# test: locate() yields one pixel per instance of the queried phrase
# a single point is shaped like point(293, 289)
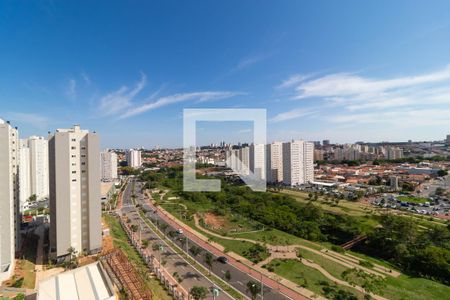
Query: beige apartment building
point(257, 161)
point(275, 162)
point(298, 163)
point(9, 198)
point(75, 201)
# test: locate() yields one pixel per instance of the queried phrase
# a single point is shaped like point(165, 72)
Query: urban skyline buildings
point(9, 197)
point(75, 208)
point(290, 163)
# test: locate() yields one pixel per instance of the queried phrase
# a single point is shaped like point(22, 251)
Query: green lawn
point(412, 199)
point(330, 266)
point(307, 277)
point(121, 242)
point(344, 206)
point(407, 288)
point(276, 237)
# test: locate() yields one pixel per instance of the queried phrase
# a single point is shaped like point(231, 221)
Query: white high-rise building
point(298, 162)
point(24, 174)
point(133, 157)
point(39, 166)
point(9, 198)
point(108, 162)
point(244, 157)
point(75, 201)
point(258, 160)
point(275, 162)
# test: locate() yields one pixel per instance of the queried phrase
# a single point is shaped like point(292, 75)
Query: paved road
point(240, 274)
point(174, 262)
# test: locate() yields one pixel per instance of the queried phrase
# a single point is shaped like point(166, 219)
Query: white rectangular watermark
point(252, 172)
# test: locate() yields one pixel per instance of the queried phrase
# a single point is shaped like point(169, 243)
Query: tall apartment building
point(9, 198)
point(257, 162)
point(24, 174)
point(319, 154)
point(394, 153)
point(274, 168)
point(133, 158)
point(108, 162)
point(448, 139)
point(33, 175)
point(39, 166)
point(244, 157)
point(75, 201)
point(298, 162)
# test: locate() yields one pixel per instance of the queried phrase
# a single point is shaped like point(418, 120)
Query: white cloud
point(345, 84)
point(402, 118)
point(292, 114)
point(293, 80)
point(349, 99)
point(86, 78)
point(71, 90)
point(121, 99)
point(182, 97)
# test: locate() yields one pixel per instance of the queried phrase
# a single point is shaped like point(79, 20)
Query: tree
point(227, 275)
point(72, 254)
point(209, 260)
point(195, 250)
point(144, 244)
point(20, 296)
point(442, 173)
point(371, 283)
point(254, 288)
point(439, 191)
point(164, 227)
point(32, 198)
point(198, 292)
point(156, 247)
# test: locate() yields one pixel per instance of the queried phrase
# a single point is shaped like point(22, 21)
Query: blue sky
point(340, 70)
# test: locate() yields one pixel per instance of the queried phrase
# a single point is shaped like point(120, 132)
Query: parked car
point(222, 259)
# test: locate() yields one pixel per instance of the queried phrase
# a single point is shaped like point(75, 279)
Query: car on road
point(222, 259)
point(180, 231)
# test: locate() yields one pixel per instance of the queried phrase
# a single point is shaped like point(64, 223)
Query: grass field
point(120, 241)
point(330, 266)
point(344, 206)
point(305, 276)
point(411, 199)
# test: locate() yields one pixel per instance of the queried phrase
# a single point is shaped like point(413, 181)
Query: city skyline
point(318, 75)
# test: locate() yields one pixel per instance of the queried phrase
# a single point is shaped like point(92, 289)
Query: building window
point(73, 147)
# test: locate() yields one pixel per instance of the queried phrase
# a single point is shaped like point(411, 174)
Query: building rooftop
point(87, 282)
